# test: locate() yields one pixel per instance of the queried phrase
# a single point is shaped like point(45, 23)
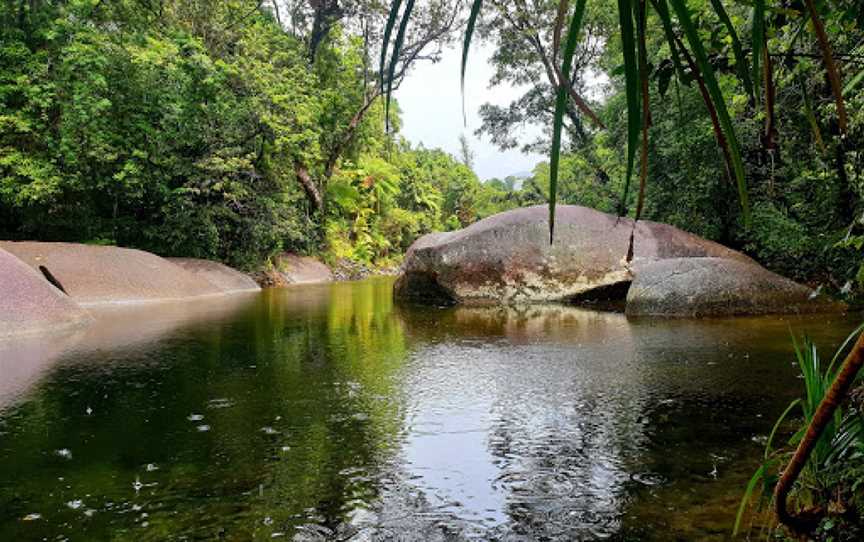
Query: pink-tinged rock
point(507, 257)
point(97, 275)
point(302, 269)
point(227, 279)
point(718, 287)
point(30, 304)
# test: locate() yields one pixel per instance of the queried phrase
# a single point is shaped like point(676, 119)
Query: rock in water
point(507, 258)
point(30, 304)
point(717, 287)
point(297, 269)
point(227, 279)
point(98, 275)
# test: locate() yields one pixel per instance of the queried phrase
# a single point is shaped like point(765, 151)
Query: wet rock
point(226, 279)
point(297, 269)
point(30, 304)
point(99, 275)
point(507, 258)
point(717, 287)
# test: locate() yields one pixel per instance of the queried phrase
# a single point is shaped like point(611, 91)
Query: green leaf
point(663, 12)
point(397, 48)
point(466, 44)
point(751, 485)
point(561, 107)
point(740, 59)
point(757, 34)
point(631, 80)
point(692, 34)
point(388, 29)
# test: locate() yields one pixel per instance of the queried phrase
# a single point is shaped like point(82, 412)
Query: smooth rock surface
point(297, 269)
point(717, 287)
point(227, 279)
point(30, 304)
point(508, 258)
point(98, 275)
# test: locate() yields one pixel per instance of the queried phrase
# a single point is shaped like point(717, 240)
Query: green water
point(328, 413)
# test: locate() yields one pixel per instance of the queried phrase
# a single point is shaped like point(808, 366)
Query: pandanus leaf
point(466, 45)
point(562, 92)
point(662, 10)
point(631, 85)
point(741, 64)
point(757, 36)
point(394, 60)
point(388, 30)
point(707, 73)
point(640, 13)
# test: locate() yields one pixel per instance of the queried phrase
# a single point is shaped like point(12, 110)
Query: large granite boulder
point(97, 275)
point(508, 258)
point(30, 304)
point(297, 269)
point(227, 279)
point(717, 287)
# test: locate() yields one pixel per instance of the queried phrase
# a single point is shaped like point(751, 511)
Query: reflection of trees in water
point(296, 388)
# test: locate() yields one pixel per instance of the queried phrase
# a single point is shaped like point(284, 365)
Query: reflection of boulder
point(25, 361)
point(717, 287)
point(225, 278)
point(30, 304)
point(508, 257)
point(94, 275)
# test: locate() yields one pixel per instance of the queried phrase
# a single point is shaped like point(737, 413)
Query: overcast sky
point(431, 104)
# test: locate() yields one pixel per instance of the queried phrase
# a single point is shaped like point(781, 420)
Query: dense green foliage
point(219, 130)
point(804, 177)
point(181, 132)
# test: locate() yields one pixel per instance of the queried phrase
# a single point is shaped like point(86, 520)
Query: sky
point(431, 104)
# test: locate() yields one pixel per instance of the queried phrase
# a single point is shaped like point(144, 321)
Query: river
point(328, 413)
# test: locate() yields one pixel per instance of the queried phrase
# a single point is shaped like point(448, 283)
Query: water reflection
point(324, 412)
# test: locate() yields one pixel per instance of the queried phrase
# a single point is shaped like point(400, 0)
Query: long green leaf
point(663, 11)
point(640, 14)
point(741, 64)
point(466, 45)
point(777, 424)
point(631, 82)
point(757, 35)
point(850, 86)
point(385, 45)
point(748, 493)
point(692, 34)
point(811, 115)
point(397, 49)
point(560, 108)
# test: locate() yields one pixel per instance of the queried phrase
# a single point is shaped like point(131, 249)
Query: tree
point(329, 25)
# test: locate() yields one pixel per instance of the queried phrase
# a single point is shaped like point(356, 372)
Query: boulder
point(717, 287)
point(96, 275)
point(508, 258)
point(297, 269)
point(227, 279)
point(30, 304)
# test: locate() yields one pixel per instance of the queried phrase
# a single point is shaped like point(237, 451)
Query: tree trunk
point(313, 193)
point(835, 395)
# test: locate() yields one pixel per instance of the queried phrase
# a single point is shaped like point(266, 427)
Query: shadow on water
point(324, 412)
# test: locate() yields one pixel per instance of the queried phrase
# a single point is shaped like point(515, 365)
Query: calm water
point(328, 413)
